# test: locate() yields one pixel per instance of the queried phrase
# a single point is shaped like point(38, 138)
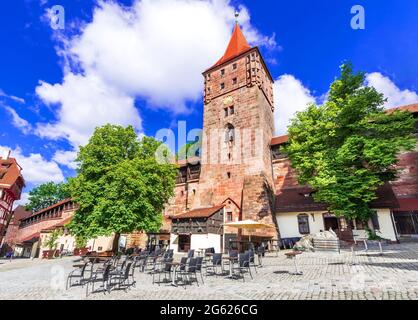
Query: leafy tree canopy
point(46, 195)
point(190, 149)
point(347, 147)
point(121, 186)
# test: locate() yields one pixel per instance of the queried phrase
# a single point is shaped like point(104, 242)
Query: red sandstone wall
point(37, 227)
point(406, 186)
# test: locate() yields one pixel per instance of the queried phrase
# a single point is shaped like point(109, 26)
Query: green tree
point(51, 241)
point(346, 148)
point(46, 195)
point(120, 185)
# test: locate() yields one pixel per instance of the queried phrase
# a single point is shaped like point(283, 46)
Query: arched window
point(303, 223)
point(229, 133)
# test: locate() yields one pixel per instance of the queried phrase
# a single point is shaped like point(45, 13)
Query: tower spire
point(237, 44)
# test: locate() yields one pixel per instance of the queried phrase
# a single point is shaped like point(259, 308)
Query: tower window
point(222, 72)
point(303, 223)
point(229, 175)
point(234, 66)
point(229, 133)
point(222, 86)
point(234, 81)
point(231, 110)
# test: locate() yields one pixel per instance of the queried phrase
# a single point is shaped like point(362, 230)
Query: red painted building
point(11, 185)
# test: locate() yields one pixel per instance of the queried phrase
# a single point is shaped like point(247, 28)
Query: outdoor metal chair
point(261, 251)
point(78, 273)
point(190, 254)
point(121, 279)
point(243, 265)
point(188, 273)
point(164, 269)
point(102, 277)
point(252, 259)
point(199, 265)
point(142, 260)
point(216, 263)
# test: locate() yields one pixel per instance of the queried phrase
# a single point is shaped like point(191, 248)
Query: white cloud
point(24, 199)
point(290, 96)
point(396, 97)
point(36, 169)
point(85, 103)
point(19, 122)
point(14, 98)
point(158, 49)
point(66, 158)
point(153, 49)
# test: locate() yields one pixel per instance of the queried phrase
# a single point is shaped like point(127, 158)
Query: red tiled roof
point(191, 160)
point(199, 213)
point(19, 213)
point(32, 238)
point(52, 206)
point(279, 140)
point(294, 200)
point(410, 107)
point(237, 45)
point(9, 172)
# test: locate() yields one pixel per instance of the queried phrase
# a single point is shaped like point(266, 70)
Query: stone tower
point(238, 126)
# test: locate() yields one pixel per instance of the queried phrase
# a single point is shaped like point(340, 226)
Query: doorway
point(406, 222)
point(184, 242)
point(339, 225)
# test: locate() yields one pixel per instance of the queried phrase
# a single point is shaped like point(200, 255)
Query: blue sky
point(140, 63)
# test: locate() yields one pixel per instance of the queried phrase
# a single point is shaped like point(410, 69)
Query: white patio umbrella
point(248, 225)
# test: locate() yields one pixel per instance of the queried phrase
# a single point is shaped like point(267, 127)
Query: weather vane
point(236, 16)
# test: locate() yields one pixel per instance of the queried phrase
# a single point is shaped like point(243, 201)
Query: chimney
point(6, 154)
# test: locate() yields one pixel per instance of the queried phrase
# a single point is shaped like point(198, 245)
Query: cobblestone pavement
point(393, 275)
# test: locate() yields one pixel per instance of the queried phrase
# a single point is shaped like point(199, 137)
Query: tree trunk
point(115, 245)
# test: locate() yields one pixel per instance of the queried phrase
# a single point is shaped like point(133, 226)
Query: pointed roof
point(237, 45)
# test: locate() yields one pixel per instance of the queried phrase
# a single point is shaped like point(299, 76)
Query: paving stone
point(390, 276)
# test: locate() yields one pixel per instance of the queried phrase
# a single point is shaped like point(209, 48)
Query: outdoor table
point(231, 262)
point(292, 255)
point(175, 265)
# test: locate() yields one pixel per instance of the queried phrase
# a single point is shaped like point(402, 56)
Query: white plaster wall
point(174, 242)
point(208, 240)
point(288, 223)
point(105, 242)
point(385, 224)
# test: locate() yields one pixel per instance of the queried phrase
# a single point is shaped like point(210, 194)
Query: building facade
point(11, 186)
point(243, 169)
point(234, 169)
point(28, 232)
